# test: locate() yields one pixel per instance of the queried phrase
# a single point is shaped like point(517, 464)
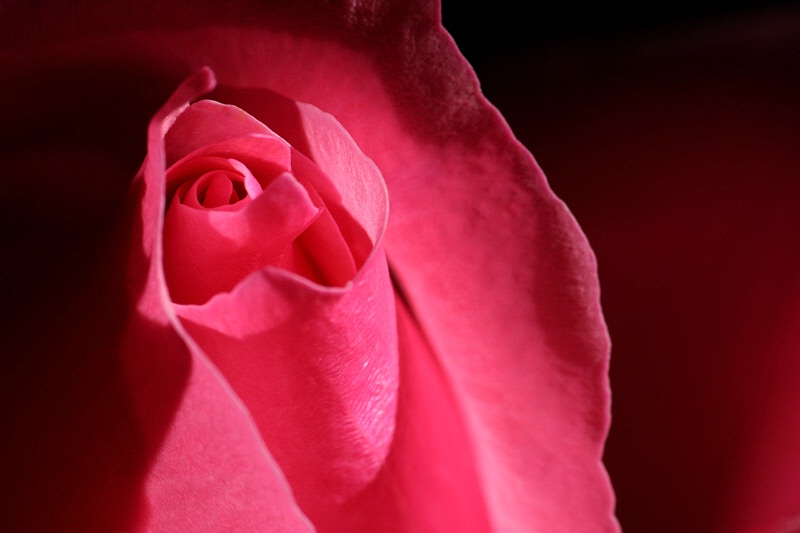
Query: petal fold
point(317, 370)
point(207, 251)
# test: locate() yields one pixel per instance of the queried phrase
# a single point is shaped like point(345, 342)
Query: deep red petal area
point(75, 453)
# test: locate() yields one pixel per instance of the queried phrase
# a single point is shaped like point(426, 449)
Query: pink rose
point(209, 323)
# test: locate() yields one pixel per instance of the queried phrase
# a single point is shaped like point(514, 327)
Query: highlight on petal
point(428, 482)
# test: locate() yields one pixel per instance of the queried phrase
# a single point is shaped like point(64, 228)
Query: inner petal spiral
point(241, 199)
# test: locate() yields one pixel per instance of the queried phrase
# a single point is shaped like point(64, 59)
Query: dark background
point(486, 33)
point(672, 133)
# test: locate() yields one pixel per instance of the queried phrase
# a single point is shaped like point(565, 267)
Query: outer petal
point(495, 269)
point(687, 182)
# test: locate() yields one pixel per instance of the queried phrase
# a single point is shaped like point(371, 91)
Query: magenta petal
point(529, 373)
point(317, 370)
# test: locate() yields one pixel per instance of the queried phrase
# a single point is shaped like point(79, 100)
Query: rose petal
point(317, 369)
point(322, 253)
point(184, 180)
point(198, 132)
point(208, 252)
point(427, 483)
point(208, 123)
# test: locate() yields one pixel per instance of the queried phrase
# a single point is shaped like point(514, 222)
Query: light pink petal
point(350, 187)
point(353, 181)
point(322, 253)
